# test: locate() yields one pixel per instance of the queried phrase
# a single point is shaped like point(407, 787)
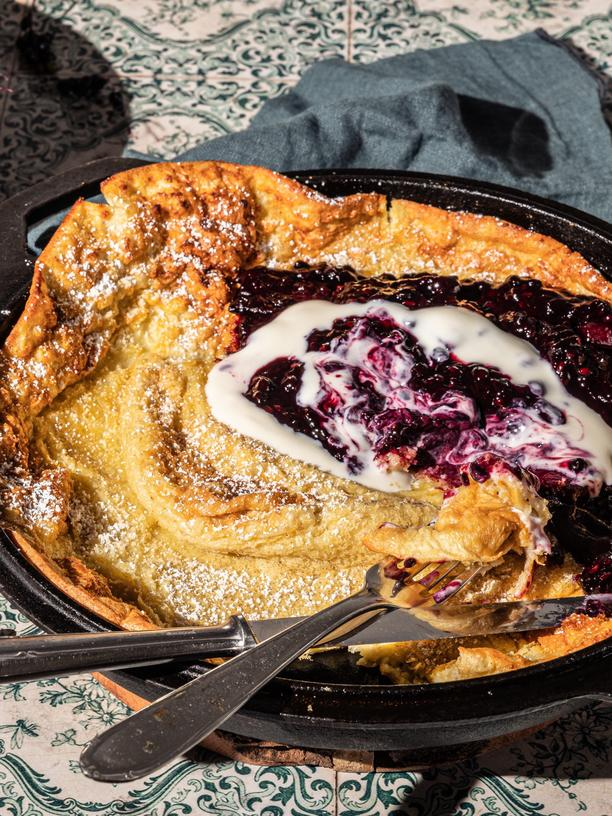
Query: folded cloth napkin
point(523, 112)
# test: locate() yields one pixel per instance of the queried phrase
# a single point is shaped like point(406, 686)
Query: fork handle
point(170, 726)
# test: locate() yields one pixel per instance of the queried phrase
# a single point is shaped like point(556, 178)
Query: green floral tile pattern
point(560, 770)
point(386, 29)
point(161, 76)
point(228, 38)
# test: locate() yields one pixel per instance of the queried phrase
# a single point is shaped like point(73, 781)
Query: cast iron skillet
point(308, 707)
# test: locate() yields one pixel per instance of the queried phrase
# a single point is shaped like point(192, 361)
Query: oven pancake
point(115, 476)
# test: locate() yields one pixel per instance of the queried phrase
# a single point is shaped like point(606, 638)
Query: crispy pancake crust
point(442, 661)
point(128, 310)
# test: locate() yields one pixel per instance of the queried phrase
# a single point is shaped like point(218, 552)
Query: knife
point(42, 656)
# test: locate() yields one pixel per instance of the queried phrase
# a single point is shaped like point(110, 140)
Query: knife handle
point(42, 656)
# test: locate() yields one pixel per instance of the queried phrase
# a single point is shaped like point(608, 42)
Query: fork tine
point(438, 574)
point(439, 581)
point(456, 583)
point(442, 582)
point(430, 571)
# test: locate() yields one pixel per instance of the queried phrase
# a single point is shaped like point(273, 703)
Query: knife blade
point(460, 620)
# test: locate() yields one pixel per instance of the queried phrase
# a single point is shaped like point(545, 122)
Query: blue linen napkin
point(523, 112)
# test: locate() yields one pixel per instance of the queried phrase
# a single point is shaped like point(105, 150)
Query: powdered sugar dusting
point(256, 592)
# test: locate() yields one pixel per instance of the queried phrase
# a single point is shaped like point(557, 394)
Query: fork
point(176, 722)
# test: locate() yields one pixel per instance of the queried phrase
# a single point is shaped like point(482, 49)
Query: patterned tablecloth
point(89, 78)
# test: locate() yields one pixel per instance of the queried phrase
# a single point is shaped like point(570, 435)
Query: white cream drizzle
point(470, 336)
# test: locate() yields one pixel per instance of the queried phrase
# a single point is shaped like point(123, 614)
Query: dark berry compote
point(462, 419)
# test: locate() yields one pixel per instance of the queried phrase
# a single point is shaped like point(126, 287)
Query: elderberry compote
point(445, 417)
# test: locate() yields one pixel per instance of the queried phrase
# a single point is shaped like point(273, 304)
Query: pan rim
point(538, 209)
